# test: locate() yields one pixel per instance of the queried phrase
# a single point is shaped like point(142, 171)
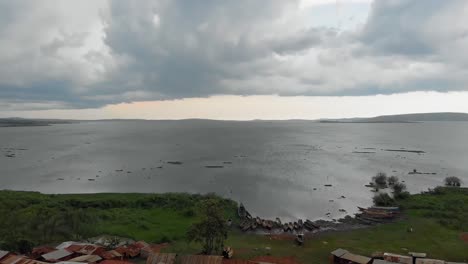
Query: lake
point(276, 168)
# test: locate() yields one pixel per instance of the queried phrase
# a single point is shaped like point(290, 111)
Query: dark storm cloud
point(97, 53)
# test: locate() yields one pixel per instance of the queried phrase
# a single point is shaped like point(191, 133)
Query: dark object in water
point(59, 179)
point(364, 152)
point(417, 172)
point(174, 162)
point(328, 185)
point(90, 179)
point(160, 167)
point(214, 166)
point(406, 150)
point(227, 162)
point(118, 170)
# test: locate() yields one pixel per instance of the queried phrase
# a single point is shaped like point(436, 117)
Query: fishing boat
point(278, 221)
point(291, 226)
point(285, 227)
point(241, 211)
point(300, 223)
point(253, 225)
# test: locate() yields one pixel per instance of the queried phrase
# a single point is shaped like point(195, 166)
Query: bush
point(380, 179)
point(398, 188)
point(452, 181)
point(392, 180)
point(401, 195)
point(383, 199)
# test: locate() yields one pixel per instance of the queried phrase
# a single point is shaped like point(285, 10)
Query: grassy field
point(437, 219)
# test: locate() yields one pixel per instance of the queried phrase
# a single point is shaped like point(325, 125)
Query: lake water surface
point(277, 169)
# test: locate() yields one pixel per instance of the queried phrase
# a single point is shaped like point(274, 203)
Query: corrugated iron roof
point(115, 262)
point(66, 244)
point(339, 252)
point(111, 254)
point(74, 247)
point(130, 251)
point(200, 259)
point(356, 258)
point(141, 244)
point(90, 249)
point(276, 260)
point(13, 259)
point(3, 254)
point(164, 258)
point(429, 261)
point(57, 254)
point(86, 258)
point(398, 258)
point(381, 261)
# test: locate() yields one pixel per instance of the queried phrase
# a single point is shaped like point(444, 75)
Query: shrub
point(401, 195)
point(398, 187)
point(452, 181)
point(380, 179)
point(392, 180)
point(383, 199)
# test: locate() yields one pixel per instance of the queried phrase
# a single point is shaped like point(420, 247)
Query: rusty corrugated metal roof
point(13, 259)
point(129, 251)
point(164, 258)
point(75, 247)
point(111, 254)
point(86, 258)
point(200, 259)
point(115, 262)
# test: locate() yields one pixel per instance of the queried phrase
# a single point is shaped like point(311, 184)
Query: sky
point(239, 60)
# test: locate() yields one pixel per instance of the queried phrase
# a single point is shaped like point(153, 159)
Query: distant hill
point(405, 118)
point(21, 122)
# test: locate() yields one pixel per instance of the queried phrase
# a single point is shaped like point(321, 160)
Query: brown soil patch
point(464, 237)
point(277, 260)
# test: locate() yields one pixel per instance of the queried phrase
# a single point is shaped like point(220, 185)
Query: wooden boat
point(285, 227)
point(253, 225)
point(241, 211)
point(269, 224)
point(310, 223)
point(291, 226)
point(258, 221)
point(300, 223)
point(246, 226)
point(278, 221)
point(300, 239)
point(296, 226)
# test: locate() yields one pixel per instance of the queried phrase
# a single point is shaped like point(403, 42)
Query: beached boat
point(300, 223)
point(241, 211)
point(285, 227)
point(291, 226)
point(278, 221)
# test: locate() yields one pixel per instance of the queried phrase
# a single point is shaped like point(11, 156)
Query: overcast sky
point(243, 59)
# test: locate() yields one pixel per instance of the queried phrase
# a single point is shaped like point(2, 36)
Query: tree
point(398, 188)
point(380, 179)
point(211, 231)
point(453, 181)
point(392, 180)
point(383, 199)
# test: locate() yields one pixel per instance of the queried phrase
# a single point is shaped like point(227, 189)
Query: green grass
point(437, 220)
point(427, 214)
